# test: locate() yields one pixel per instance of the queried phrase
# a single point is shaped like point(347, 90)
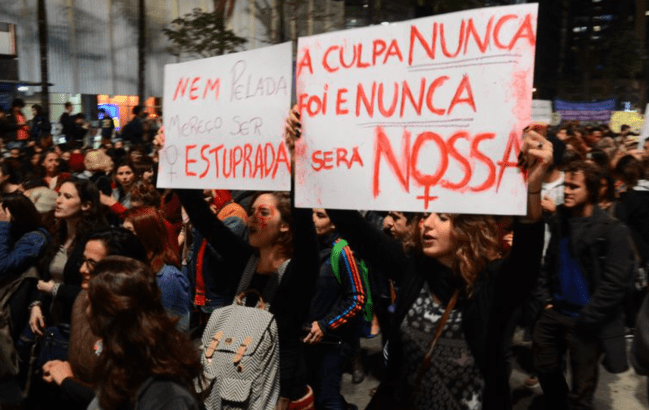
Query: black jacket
point(338, 305)
point(601, 243)
point(67, 122)
point(40, 127)
point(291, 303)
point(501, 287)
point(71, 286)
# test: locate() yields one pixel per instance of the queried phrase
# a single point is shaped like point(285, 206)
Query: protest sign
point(224, 120)
point(645, 127)
point(631, 118)
point(423, 115)
point(542, 111)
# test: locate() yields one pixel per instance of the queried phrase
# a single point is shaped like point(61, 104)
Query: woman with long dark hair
point(455, 296)
point(280, 237)
point(147, 224)
point(144, 363)
point(78, 214)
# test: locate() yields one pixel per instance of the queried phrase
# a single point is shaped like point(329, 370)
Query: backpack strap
point(271, 286)
point(369, 304)
point(273, 283)
point(248, 273)
point(335, 257)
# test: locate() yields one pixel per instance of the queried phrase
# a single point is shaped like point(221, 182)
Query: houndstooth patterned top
point(453, 381)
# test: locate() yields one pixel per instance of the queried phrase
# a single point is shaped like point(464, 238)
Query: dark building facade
point(587, 50)
point(596, 48)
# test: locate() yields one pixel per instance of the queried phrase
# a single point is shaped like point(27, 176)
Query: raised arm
point(520, 271)
point(232, 248)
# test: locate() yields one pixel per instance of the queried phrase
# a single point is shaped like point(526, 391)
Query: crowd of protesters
point(108, 282)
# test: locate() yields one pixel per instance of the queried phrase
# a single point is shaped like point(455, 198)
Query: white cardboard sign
point(542, 111)
point(423, 115)
point(645, 128)
point(224, 121)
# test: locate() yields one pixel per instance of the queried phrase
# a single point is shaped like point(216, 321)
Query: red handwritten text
point(468, 34)
point(470, 40)
point(407, 166)
point(241, 161)
point(209, 87)
point(386, 97)
point(333, 159)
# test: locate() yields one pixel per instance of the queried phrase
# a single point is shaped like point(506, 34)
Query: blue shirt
point(15, 258)
point(176, 294)
point(574, 294)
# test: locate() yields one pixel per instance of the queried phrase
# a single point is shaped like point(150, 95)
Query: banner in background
point(599, 111)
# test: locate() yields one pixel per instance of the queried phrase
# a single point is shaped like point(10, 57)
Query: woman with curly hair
point(454, 277)
point(144, 362)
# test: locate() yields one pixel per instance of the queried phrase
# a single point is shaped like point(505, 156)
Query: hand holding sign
point(292, 131)
point(536, 152)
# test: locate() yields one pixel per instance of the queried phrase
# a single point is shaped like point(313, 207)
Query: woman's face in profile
point(436, 237)
point(323, 224)
point(265, 222)
point(94, 252)
point(68, 203)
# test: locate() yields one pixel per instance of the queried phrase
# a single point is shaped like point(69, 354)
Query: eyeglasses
point(91, 263)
